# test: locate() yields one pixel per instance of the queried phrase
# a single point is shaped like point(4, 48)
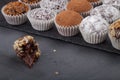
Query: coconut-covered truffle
point(55, 5)
point(108, 12)
point(94, 25)
point(27, 49)
point(115, 3)
point(42, 14)
point(94, 29)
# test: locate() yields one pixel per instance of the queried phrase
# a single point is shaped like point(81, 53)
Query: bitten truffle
point(27, 49)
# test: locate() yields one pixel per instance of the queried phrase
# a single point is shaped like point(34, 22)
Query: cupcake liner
point(32, 6)
point(85, 14)
point(67, 31)
point(94, 38)
point(115, 42)
point(96, 3)
point(41, 25)
point(15, 20)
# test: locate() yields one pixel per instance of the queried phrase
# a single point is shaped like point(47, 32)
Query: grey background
point(73, 62)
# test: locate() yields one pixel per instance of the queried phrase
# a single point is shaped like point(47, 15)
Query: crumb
point(54, 50)
point(56, 73)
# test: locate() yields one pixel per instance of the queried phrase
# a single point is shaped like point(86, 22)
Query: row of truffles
point(15, 12)
point(27, 50)
point(70, 17)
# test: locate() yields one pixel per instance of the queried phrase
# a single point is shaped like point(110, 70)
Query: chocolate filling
point(28, 53)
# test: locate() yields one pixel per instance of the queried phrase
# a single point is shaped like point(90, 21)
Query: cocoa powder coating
point(68, 18)
point(79, 6)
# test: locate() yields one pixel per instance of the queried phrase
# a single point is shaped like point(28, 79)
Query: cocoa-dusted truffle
point(15, 8)
point(68, 18)
point(79, 6)
point(27, 49)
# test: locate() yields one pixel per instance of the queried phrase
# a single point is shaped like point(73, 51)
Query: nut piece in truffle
point(27, 49)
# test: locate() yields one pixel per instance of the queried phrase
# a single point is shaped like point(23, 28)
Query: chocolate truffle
point(15, 8)
point(42, 14)
point(55, 5)
point(68, 18)
point(108, 12)
point(67, 23)
point(81, 6)
point(15, 12)
point(114, 34)
point(41, 19)
point(115, 3)
point(94, 29)
point(27, 49)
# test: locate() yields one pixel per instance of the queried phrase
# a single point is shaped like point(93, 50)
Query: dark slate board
point(105, 46)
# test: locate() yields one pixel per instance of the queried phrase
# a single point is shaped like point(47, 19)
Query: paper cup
point(67, 30)
point(32, 6)
point(40, 25)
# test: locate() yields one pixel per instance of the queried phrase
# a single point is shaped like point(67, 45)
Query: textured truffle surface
point(42, 14)
point(55, 5)
point(107, 12)
point(68, 18)
point(94, 25)
point(15, 8)
point(112, 2)
point(79, 6)
point(114, 29)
